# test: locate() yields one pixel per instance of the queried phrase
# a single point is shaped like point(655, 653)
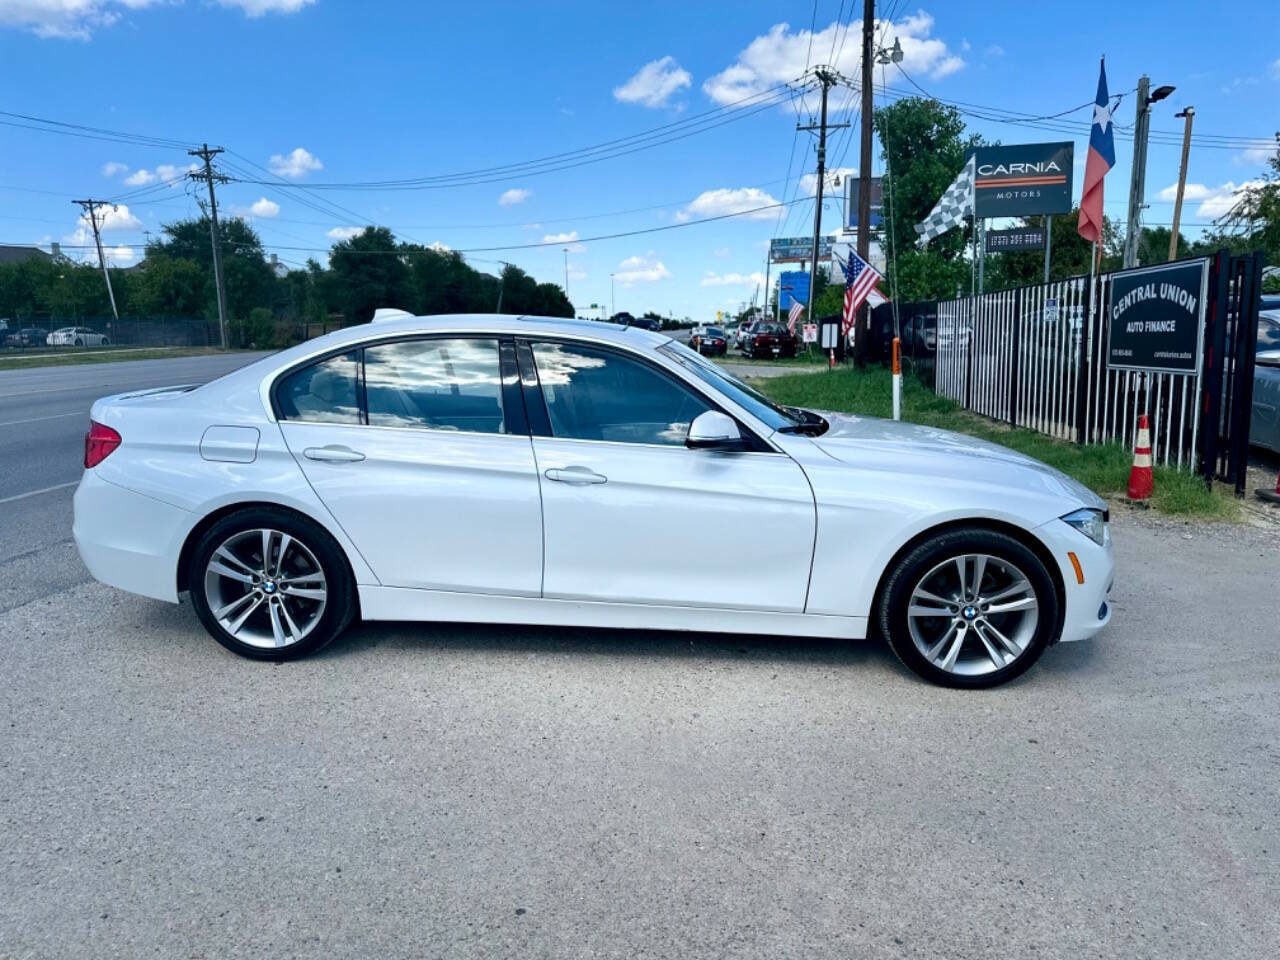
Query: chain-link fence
point(90, 333)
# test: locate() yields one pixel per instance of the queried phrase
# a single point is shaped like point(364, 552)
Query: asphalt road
point(464, 791)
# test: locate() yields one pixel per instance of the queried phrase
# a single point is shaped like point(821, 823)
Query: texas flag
point(1102, 157)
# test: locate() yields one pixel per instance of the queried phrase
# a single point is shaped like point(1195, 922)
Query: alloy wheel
point(265, 588)
point(973, 614)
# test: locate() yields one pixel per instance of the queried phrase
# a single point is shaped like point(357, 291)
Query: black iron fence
point(35, 335)
point(1035, 357)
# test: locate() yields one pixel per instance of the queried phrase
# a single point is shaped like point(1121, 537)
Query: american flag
point(860, 278)
point(794, 315)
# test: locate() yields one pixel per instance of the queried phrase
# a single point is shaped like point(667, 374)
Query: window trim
point(517, 424)
point(540, 419)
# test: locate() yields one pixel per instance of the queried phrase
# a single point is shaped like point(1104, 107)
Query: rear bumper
point(1088, 604)
point(128, 540)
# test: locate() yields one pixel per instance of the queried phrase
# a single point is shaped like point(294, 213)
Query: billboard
point(793, 285)
point(1156, 316)
point(852, 190)
point(798, 249)
point(1015, 239)
point(1024, 179)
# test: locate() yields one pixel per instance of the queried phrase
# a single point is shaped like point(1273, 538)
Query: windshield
point(748, 398)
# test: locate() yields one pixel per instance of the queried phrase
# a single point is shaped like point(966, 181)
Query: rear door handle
point(575, 475)
point(333, 453)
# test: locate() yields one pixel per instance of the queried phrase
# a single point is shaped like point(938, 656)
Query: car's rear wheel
point(969, 608)
point(270, 584)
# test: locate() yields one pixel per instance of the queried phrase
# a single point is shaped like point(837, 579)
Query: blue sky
point(333, 91)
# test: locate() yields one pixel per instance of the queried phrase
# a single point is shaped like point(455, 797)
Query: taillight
point(99, 443)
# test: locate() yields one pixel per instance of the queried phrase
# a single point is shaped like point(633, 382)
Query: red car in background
point(769, 340)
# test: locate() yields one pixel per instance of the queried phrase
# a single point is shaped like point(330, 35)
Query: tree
point(371, 273)
point(1069, 253)
point(924, 146)
point(250, 280)
point(1255, 217)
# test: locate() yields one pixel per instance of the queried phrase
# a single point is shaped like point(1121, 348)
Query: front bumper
point(1088, 604)
point(128, 540)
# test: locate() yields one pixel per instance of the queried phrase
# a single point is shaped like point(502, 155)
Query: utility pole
point(1138, 178)
point(91, 208)
point(1188, 114)
point(207, 154)
point(827, 77)
point(864, 172)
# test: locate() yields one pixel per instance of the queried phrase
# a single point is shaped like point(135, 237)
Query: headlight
point(1092, 523)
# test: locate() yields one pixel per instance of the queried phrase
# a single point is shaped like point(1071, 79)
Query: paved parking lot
point(429, 790)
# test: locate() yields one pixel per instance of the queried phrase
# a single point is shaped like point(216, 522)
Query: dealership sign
point(793, 286)
point(852, 191)
point(798, 249)
point(1023, 180)
point(1018, 238)
point(1156, 316)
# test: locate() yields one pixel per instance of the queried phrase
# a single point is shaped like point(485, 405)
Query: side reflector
point(99, 443)
point(1075, 562)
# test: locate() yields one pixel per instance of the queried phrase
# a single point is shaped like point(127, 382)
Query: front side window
point(599, 395)
point(325, 392)
point(436, 384)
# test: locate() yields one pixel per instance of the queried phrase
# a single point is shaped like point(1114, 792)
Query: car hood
point(893, 446)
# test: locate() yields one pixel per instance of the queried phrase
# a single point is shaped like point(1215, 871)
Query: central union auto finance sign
point(1023, 180)
point(1156, 315)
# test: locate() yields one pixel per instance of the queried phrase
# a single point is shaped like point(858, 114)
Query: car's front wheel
point(969, 608)
point(271, 585)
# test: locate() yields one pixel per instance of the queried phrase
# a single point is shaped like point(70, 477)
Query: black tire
point(105, 342)
point(79, 342)
point(340, 606)
point(907, 573)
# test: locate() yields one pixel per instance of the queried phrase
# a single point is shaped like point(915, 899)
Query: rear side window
point(437, 384)
point(325, 392)
point(1268, 335)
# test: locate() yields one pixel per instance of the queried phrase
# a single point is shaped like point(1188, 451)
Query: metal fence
point(43, 335)
point(1035, 357)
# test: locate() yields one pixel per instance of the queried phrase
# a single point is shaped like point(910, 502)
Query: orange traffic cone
point(1141, 483)
point(1267, 495)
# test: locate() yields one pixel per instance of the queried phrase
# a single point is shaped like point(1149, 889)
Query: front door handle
point(575, 475)
point(333, 453)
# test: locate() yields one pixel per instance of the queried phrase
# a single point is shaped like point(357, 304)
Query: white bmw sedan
point(524, 470)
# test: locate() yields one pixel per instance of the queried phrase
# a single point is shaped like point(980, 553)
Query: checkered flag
point(951, 209)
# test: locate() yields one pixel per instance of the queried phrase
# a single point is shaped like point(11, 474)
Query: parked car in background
point(744, 330)
point(710, 341)
point(76, 337)
point(1264, 423)
point(531, 470)
point(769, 340)
point(645, 323)
point(26, 337)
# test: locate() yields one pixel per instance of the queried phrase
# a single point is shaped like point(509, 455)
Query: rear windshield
point(774, 328)
point(714, 332)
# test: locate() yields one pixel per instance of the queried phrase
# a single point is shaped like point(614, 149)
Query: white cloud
point(831, 181)
point(115, 218)
point(641, 269)
point(297, 163)
point(140, 178)
point(344, 233)
point(1214, 201)
point(262, 207)
point(164, 173)
point(721, 252)
point(781, 55)
point(120, 256)
point(732, 279)
point(1256, 156)
point(995, 50)
point(110, 220)
point(654, 83)
point(111, 168)
point(260, 8)
point(513, 196)
point(714, 203)
point(570, 238)
point(76, 19)
point(439, 247)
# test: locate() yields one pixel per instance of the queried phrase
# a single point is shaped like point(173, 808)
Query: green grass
point(63, 357)
point(1103, 469)
point(804, 358)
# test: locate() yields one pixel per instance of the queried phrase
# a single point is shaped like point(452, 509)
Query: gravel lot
point(423, 791)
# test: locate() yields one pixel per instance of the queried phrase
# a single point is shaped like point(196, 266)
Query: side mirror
point(714, 430)
point(1265, 358)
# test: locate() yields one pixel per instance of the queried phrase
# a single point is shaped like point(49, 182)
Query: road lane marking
point(36, 493)
point(56, 416)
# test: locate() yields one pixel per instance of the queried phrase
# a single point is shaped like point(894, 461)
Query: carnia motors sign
point(1156, 315)
point(1023, 180)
